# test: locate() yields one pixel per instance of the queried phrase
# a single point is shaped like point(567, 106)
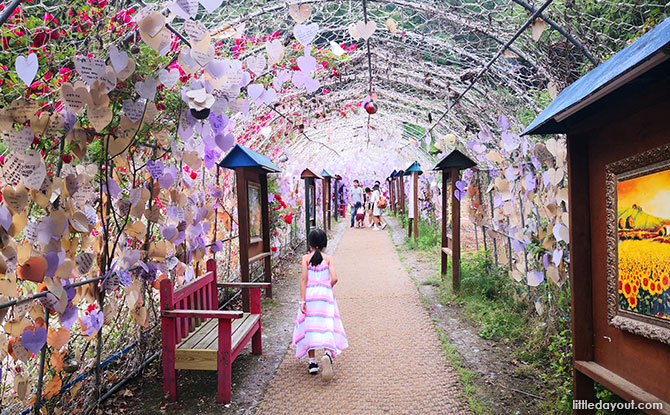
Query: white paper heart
point(365, 30)
point(211, 5)
point(203, 58)
point(255, 91)
point(168, 78)
point(153, 23)
point(90, 69)
point(256, 64)
point(306, 63)
point(185, 9)
point(195, 30)
point(336, 49)
point(275, 51)
point(27, 68)
point(305, 34)
point(299, 12)
point(118, 58)
point(147, 88)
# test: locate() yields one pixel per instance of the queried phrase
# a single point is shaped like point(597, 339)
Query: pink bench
point(198, 336)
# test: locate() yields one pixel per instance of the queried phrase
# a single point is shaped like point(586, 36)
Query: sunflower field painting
point(643, 207)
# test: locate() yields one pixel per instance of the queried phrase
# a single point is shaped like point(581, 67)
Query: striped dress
point(321, 327)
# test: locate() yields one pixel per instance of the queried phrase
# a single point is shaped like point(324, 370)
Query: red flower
point(288, 218)
point(194, 175)
point(274, 249)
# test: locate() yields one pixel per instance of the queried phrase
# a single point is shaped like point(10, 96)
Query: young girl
point(318, 325)
point(360, 215)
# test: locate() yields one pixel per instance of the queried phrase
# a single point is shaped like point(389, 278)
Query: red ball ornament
point(371, 107)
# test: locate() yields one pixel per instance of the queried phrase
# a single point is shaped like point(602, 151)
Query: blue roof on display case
point(325, 174)
point(631, 62)
point(414, 167)
point(241, 156)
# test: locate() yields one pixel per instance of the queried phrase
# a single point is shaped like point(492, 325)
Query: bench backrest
point(199, 294)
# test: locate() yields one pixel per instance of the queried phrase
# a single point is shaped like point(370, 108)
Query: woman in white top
point(376, 211)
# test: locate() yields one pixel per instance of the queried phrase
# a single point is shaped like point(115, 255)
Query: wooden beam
point(455, 232)
point(259, 257)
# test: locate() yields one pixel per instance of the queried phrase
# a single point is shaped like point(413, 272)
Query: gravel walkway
point(394, 363)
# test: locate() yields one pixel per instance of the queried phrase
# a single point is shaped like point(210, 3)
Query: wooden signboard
point(310, 201)
point(401, 191)
point(615, 118)
point(251, 170)
point(451, 166)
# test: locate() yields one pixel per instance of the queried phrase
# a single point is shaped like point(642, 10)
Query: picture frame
point(255, 213)
point(637, 243)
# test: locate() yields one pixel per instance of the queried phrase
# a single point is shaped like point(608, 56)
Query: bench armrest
point(244, 285)
point(203, 314)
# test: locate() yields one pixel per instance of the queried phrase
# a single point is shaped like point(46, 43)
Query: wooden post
point(326, 203)
point(416, 204)
point(334, 199)
point(308, 218)
point(265, 219)
point(455, 231)
point(224, 361)
point(168, 342)
point(401, 184)
point(392, 193)
point(445, 238)
point(243, 218)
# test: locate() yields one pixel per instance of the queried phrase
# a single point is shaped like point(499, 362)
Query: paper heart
point(93, 322)
point(195, 30)
point(306, 63)
point(168, 78)
point(15, 199)
point(365, 30)
point(34, 269)
point(275, 51)
point(255, 91)
point(305, 34)
point(124, 74)
point(75, 97)
point(185, 9)
point(268, 96)
point(153, 23)
point(133, 109)
point(27, 68)
point(99, 117)
point(169, 232)
point(186, 61)
point(155, 168)
point(204, 55)
point(299, 13)
point(90, 69)
point(353, 32)
point(336, 49)
point(224, 141)
point(33, 340)
point(256, 64)
point(20, 139)
point(39, 124)
point(84, 262)
point(68, 318)
point(210, 5)
point(118, 59)
point(391, 25)
point(147, 88)
point(57, 338)
point(160, 43)
point(5, 217)
point(561, 233)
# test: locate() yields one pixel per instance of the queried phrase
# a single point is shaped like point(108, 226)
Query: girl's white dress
point(321, 327)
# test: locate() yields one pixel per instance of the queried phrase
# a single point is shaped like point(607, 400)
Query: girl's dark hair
point(367, 190)
point(357, 205)
point(376, 187)
point(318, 240)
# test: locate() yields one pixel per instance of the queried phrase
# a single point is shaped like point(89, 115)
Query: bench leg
point(168, 350)
point(224, 363)
point(256, 342)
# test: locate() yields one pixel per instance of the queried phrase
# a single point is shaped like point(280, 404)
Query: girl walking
point(318, 325)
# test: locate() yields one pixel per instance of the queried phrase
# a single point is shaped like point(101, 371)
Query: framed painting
point(255, 216)
point(638, 244)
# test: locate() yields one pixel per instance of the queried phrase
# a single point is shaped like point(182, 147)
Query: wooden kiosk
point(400, 186)
point(414, 170)
point(451, 166)
point(310, 201)
point(251, 172)
point(616, 121)
point(326, 200)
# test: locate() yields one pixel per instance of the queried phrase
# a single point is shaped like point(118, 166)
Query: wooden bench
point(198, 336)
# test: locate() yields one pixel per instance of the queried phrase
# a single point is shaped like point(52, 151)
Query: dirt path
point(394, 364)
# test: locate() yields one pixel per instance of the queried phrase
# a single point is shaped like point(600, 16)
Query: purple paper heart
point(34, 340)
point(166, 180)
point(155, 168)
point(218, 122)
point(53, 262)
point(461, 184)
point(5, 217)
point(125, 278)
point(503, 122)
point(93, 322)
point(169, 232)
point(224, 141)
point(68, 318)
